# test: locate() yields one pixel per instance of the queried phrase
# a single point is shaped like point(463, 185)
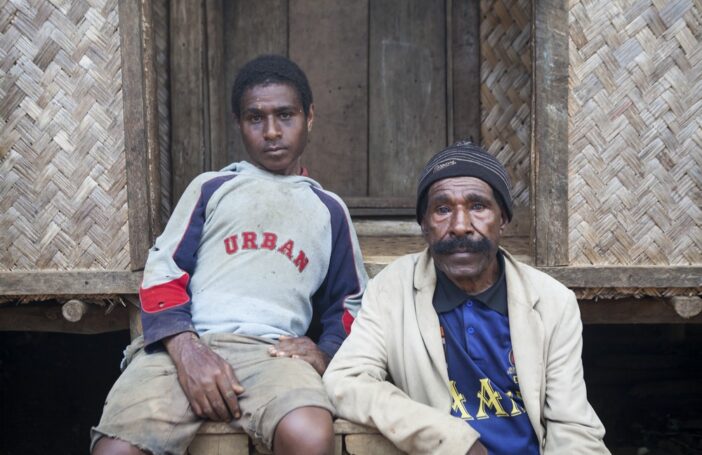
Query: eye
point(443, 210)
point(478, 206)
point(285, 115)
point(255, 118)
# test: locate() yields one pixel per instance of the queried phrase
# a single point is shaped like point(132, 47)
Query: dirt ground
point(644, 381)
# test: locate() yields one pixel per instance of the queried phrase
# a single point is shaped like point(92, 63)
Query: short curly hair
point(271, 69)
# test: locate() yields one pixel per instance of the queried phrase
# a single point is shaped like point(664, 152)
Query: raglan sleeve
point(164, 292)
point(338, 299)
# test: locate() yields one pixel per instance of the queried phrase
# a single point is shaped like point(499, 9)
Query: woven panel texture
point(505, 95)
point(635, 177)
point(63, 197)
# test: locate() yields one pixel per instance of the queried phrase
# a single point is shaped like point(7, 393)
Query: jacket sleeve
point(165, 292)
point(338, 299)
point(571, 424)
point(357, 383)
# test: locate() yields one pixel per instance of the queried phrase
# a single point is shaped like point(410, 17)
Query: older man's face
point(462, 225)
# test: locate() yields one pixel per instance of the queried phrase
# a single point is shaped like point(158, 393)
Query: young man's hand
point(207, 379)
point(301, 348)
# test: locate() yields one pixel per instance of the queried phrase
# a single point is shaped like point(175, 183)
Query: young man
point(484, 351)
point(250, 256)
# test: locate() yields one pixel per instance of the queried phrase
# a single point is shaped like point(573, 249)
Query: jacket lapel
point(527, 334)
point(428, 322)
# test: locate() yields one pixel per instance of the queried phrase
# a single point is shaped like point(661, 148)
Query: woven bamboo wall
point(63, 198)
point(635, 177)
point(505, 72)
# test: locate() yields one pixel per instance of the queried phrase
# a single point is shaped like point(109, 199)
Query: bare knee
point(112, 446)
point(305, 430)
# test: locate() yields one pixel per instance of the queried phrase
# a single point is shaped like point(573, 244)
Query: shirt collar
point(448, 296)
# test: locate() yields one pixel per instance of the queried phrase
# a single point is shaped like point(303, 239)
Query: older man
point(461, 348)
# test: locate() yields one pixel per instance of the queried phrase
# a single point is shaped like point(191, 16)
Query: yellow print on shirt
point(488, 399)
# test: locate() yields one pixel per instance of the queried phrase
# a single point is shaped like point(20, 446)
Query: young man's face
point(274, 127)
point(462, 225)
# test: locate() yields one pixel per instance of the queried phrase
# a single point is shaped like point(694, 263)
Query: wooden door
point(393, 81)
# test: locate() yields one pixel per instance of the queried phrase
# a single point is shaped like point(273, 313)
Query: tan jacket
point(396, 338)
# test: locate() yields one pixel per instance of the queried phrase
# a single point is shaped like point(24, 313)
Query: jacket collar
point(526, 330)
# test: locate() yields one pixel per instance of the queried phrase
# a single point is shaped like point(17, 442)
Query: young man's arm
point(207, 380)
point(338, 299)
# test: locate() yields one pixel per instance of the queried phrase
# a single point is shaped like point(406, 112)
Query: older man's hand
point(477, 449)
point(301, 348)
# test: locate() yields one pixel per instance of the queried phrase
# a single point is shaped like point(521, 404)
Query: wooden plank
point(218, 107)
point(628, 277)
point(140, 127)
point(253, 28)
point(407, 86)
point(633, 311)
point(229, 444)
point(370, 444)
point(77, 283)
point(329, 40)
point(465, 54)
point(48, 318)
point(189, 156)
point(549, 149)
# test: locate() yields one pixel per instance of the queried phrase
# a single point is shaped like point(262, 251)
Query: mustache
point(462, 245)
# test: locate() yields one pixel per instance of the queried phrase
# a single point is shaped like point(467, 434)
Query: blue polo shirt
point(482, 376)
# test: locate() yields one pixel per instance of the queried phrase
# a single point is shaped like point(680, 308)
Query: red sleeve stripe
point(347, 321)
point(165, 296)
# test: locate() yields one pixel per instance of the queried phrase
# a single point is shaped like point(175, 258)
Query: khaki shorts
point(147, 407)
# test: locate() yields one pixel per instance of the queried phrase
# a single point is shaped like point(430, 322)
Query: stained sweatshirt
point(254, 253)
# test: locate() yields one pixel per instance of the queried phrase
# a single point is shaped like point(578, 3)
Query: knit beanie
point(465, 159)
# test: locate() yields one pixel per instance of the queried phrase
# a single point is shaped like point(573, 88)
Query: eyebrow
point(286, 107)
point(443, 197)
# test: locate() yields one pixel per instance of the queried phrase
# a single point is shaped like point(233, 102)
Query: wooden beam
point(549, 132)
point(87, 283)
point(465, 57)
point(628, 277)
point(140, 127)
point(188, 93)
point(633, 311)
point(79, 283)
point(48, 318)
point(217, 105)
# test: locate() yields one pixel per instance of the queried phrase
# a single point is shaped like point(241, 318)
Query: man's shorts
point(147, 407)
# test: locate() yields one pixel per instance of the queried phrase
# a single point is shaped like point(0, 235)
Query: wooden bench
point(218, 438)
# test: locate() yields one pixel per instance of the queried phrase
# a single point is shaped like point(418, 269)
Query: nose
point(272, 129)
point(461, 223)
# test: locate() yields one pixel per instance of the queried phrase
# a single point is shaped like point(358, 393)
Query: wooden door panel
point(407, 104)
point(329, 40)
point(251, 28)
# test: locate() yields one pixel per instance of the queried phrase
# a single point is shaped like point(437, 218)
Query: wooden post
point(140, 127)
point(549, 132)
point(73, 310)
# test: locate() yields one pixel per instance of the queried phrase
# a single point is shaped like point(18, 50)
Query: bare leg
point(305, 431)
point(111, 446)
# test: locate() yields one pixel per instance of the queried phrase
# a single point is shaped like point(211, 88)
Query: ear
point(423, 226)
point(237, 121)
point(504, 221)
point(310, 118)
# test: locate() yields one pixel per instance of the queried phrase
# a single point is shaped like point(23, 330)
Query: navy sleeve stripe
point(185, 255)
